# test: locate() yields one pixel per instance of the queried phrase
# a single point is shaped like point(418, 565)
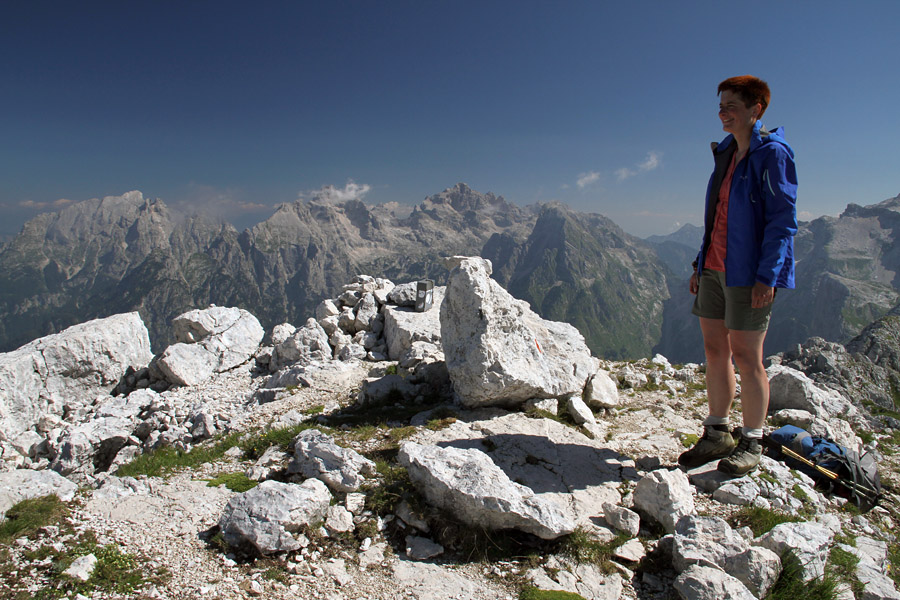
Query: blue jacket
point(762, 213)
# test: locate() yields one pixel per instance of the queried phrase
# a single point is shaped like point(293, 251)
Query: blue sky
point(609, 107)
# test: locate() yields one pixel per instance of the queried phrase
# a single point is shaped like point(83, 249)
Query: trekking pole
point(871, 494)
point(826, 472)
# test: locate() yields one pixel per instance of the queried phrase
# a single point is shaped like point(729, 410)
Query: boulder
point(212, 340)
point(282, 332)
point(807, 541)
point(390, 388)
point(665, 496)
point(82, 568)
point(709, 583)
point(90, 447)
point(466, 483)
point(316, 455)
point(66, 371)
point(579, 411)
point(756, 567)
point(305, 345)
point(792, 389)
point(403, 294)
point(498, 351)
point(557, 462)
point(601, 391)
point(265, 517)
point(366, 312)
point(623, 519)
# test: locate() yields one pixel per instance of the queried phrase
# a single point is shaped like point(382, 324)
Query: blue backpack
point(834, 468)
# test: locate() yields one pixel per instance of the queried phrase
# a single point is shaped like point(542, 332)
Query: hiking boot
point(715, 443)
point(744, 458)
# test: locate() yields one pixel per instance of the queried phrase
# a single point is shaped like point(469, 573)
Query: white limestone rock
point(601, 390)
point(559, 463)
point(579, 411)
point(308, 344)
point(792, 389)
point(209, 341)
point(67, 370)
point(756, 567)
point(419, 548)
point(498, 351)
point(740, 491)
point(403, 326)
point(339, 520)
point(327, 308)
point(403, 294)
point(366, 312)
point(82, 568)
point(376, 390)
point(625, 520)
point(665, 496)
point(550, 405)
point(282, 332)
point(807, 541)
point(709, 583)
point(90, 447)
point(266, 516)
point(317, 455)
point(468, 484)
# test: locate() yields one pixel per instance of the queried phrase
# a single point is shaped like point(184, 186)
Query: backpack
point(834, 468)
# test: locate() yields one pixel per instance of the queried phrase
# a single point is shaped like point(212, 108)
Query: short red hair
point(752, 90)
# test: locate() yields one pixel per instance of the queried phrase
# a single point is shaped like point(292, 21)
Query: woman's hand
point(761, 295)
point(695, 283)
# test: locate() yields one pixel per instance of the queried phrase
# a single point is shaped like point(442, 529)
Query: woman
point(747, 253)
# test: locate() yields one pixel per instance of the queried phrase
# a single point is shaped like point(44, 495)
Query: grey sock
point(747, 432)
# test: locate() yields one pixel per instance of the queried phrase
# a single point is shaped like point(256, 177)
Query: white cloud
point(653, 160)
point(330, 193)
point(57, 204)
point(586, 179)
point(623, 173)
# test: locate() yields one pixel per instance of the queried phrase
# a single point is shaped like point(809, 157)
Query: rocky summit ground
point(157, 536)
point(471, 450)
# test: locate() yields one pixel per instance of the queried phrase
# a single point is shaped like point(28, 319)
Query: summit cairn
point(500, 352)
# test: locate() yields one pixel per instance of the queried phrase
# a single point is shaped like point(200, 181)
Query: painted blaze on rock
point(499, 351)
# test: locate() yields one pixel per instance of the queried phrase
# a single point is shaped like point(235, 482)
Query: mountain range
point(627, 296)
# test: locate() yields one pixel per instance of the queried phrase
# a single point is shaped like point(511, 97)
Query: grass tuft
point(584, 548)
point(530, 592)
point(167, 460)
point(26, 517)
point(236, 482)
point(843, 566)
point(791, 586)
point(760, 520)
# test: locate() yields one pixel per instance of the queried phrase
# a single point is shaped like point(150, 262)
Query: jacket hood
point(760, 136)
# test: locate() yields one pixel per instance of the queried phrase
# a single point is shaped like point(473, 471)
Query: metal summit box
point(424, 295)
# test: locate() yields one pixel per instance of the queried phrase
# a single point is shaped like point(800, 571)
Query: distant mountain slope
point(128, 253)
point(847, 275)
point(628, 297)
point(679, 249)
point(583, 269)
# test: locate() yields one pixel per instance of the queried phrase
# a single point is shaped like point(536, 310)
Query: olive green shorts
point(715, 300)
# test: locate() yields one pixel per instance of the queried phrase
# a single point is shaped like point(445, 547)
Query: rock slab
point(500, 352)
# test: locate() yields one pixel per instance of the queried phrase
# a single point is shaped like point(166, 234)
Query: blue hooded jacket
point(762, 213)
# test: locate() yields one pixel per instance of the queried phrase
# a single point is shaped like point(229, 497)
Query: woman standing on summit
point(747, 252)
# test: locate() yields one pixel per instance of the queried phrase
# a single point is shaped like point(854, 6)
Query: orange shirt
point(718, 241)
